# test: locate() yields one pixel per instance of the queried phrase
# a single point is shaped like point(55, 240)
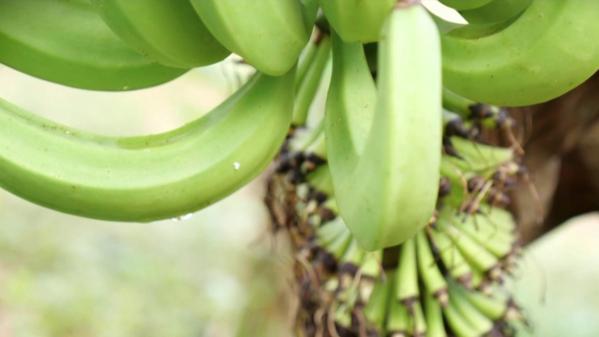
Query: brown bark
point(561, 140)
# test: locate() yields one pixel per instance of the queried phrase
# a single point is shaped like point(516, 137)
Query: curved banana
point(268, 34)
point(357, 20)
point(169, 32)
point(495, 11)
point(465, 4)
point(150, 177)
point(373, 142)
point(545, 52)
point(68, 43)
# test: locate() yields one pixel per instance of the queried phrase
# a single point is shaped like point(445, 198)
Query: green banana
point(495, 11)
point(455, 263)
point(540, 56)
point(310, 81)
point(478, 256)
point(407, 289)
point(377, 308)
point(148, 177)
point(398, 319)
point(465, 4)
point(68, 43)
point(480, 158)
point(428, 270)
point(373, 142)
point(477, 320)
point(493, 308)
point(434, 317)
point(420, 326)
point(268, 34)
point(458, 323)
point(169, 32)
point(479, 229)
point(357, 20)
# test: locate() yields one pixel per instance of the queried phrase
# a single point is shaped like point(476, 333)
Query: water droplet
point(236, 166)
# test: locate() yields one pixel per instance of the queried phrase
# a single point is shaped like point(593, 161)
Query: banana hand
point(268, 34)
point(385, 160)
point(151, 177)
point(68, 43)
point(169, 32)
point(540, 56)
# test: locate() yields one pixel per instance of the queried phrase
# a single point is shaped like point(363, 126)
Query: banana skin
point(375, 137)
point(152, 177)
point(547, 51)
point(169, 32)
point(268, 34)
point(68, 43)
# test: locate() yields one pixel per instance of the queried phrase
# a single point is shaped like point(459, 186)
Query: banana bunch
point(512, 52)
point(115, 45)
point(446, 280)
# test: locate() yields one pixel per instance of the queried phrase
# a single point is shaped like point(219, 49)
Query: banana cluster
point(446, 280)
point(384, 133)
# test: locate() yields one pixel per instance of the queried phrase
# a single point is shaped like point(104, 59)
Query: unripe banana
point(540, 56)
point(148, 177)
point(373, 142)
point(357, 20)
point(169, 32)
point(429, 270)
point(68, 43)
point(476, 319)
point(434, 318)
point(407, 289)
point(268, 34)
point(310, 82)
point(495, 11)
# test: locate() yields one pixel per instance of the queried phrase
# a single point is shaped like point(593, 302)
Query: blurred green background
point(217, 273)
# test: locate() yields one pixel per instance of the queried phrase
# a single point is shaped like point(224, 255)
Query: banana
point(540, 56)
point(465, 4)
point(310, 81)
point(420, 326)
point(407, 289)
point(458, 323)
point(478, 256)
point(477, 320)
point(68, 43)
point(455, 263)
point(428, 269)
point(268, 34)
point(357, 20)
point(495, 11)
point(148, 177)
point(493, 308)
point(373, 142)
point(169, 32)
point(377, 308)
point(434, 318)
point(479, 158)
point(479, 229)
point(398, 320)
